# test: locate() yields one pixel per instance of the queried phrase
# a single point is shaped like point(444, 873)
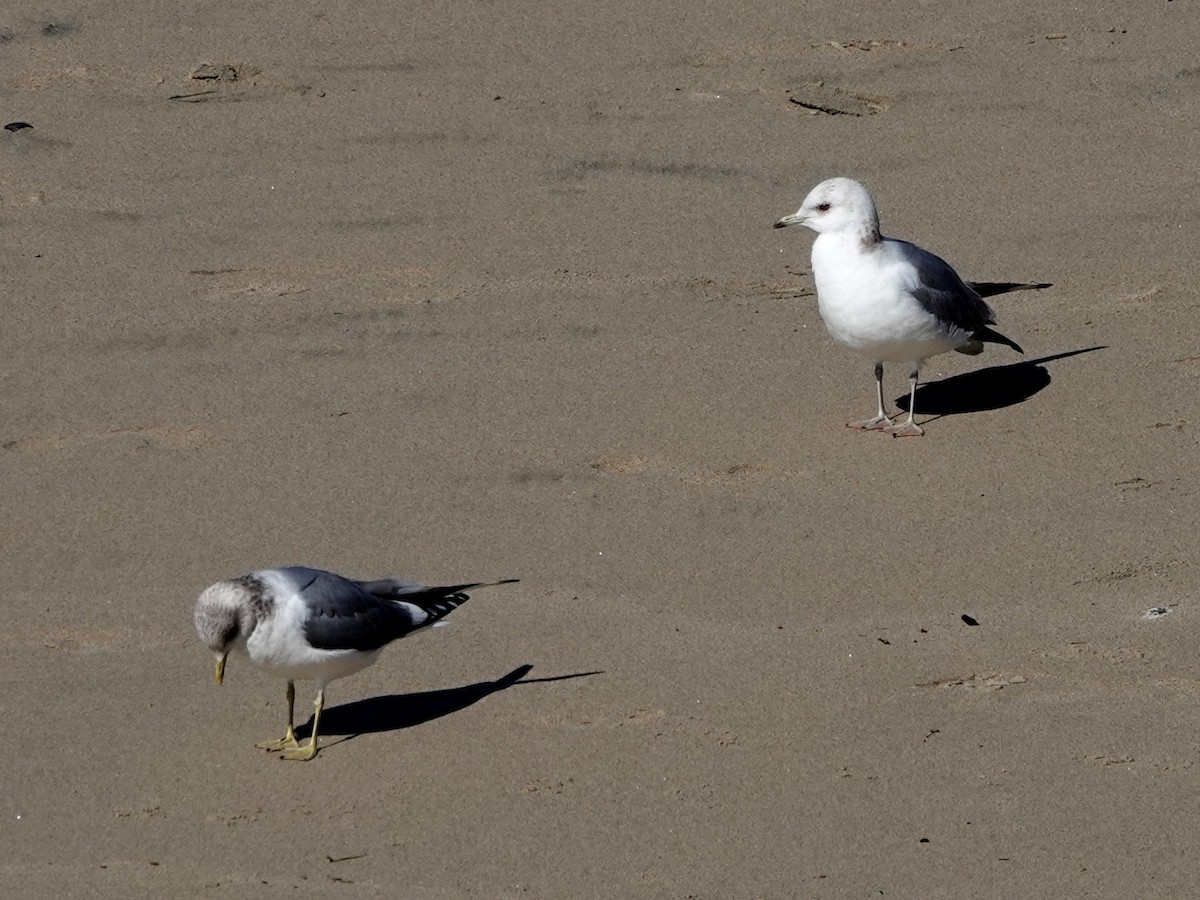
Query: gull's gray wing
point(342, 615)
point(943, 294)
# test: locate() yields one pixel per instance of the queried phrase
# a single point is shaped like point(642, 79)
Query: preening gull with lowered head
point(301, 623)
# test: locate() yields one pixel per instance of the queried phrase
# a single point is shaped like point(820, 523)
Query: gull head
point(224, 617)
point(837, 206)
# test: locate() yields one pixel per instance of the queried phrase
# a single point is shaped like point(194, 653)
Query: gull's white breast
point(864, 297)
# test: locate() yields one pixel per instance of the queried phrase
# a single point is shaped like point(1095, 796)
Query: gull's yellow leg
point(309, 750)
point(288, 740)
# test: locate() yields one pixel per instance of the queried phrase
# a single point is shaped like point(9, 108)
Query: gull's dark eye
point(823, 207)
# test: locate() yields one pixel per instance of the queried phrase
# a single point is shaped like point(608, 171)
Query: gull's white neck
point(864, 235)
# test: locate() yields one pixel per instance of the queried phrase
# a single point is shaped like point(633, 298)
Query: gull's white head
point(225, 616)
point(837, 206)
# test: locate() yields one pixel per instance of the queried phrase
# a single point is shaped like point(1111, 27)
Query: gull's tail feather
point(989, 336)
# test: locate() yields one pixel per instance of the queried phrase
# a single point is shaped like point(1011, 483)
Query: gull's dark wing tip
point(399, 589)
point(474, 584)
point(992, 336)
point(992, 288)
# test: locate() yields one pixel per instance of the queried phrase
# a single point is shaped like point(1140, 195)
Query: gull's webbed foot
point(878, 423)
point(908, 429)
point(287, 742)
point(302, 752)
point(309, 750)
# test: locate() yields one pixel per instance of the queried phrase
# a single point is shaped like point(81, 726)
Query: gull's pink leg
point(909, 428)
point(881, 422)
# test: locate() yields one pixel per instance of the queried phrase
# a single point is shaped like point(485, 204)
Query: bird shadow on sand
point(992, 388)
point(395, 711)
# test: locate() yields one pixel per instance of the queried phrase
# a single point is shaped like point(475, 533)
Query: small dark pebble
point(924, 840)
point(883, 641)
point(17, 126)
point(969, 620)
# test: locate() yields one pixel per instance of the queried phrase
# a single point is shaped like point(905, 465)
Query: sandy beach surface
point(490, 290)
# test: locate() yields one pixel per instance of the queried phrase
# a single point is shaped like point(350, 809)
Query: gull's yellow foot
point(287, 742)
point(305, 752)
point(309, 750)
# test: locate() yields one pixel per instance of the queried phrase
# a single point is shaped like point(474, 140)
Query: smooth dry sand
point(487, 290)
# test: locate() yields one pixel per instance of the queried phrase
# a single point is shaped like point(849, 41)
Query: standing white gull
point(302, 623)
point(888, 299)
